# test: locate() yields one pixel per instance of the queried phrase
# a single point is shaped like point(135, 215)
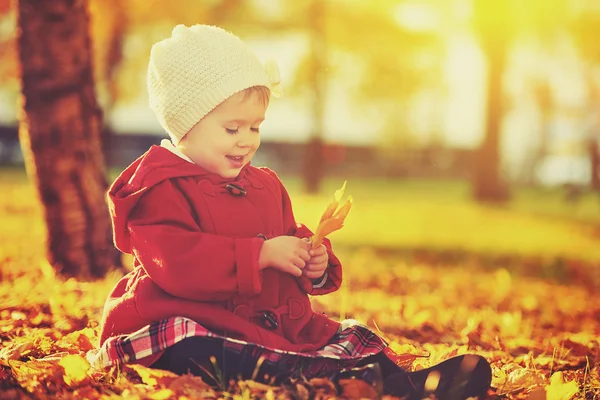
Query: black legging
point(459, 377)
point(199, 355)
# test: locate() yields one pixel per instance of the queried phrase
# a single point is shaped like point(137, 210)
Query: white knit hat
point(198, 68)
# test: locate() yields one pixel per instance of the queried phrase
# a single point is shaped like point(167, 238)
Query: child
point(222, 272)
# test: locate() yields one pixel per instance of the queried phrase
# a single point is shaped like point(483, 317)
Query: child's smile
point(225, 140)
point(237, 161)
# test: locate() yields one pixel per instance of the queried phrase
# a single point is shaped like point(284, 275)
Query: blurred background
point(468, 132)
point(461, 125)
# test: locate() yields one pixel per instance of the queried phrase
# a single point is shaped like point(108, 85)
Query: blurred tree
point(542, 92)
point(113, 21)
point(492, 19)
point(384, 52)
point(314, 162)
point(584, 28)
point(60, 135)
point(500, 25)
point(384, 58)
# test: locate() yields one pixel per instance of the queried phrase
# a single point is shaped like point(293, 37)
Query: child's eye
point(232, 131)
point(257, 130)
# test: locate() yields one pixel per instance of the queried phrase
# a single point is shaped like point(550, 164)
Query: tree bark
point(594, 151)
point(488, 184)
point(314, 162)
point(60, 134)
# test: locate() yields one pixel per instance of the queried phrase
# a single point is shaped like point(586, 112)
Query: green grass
point(443, 216)
point(435, 215)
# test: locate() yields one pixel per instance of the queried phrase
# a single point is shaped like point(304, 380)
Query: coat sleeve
point(334, 271)
point(184, 261)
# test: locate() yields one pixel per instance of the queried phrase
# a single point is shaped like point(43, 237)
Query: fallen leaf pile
point(542, 339)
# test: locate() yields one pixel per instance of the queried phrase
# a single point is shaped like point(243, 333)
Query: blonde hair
point(263, 94)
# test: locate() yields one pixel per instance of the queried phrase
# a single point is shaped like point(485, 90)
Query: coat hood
point(158, 164)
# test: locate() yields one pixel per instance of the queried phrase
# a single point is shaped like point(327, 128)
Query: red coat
point(196, 246)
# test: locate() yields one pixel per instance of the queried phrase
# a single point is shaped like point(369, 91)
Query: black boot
point(369, 373)
point(453, 379)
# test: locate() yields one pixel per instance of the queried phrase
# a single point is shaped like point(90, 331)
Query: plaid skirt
point(352, 343)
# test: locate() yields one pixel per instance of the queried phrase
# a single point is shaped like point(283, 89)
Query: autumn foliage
point(542, 338)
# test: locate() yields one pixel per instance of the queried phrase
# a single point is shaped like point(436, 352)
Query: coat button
point(270, 320)
point(235, 190)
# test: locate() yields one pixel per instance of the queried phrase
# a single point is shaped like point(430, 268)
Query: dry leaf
point(322, 383)
point(357, 389)
point(75, 367)
point(154, 377)
point(332, 220)
point(35, 375)
point(192, 385)
point(302, 392)
point(15, 351)
point(330, 210)
point(253, 385)
point(558, 389)
point(161, 394)
point(517, 380)
point(537, 394)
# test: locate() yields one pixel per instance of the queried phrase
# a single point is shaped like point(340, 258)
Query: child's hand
point(317, 264)
point(285, 253)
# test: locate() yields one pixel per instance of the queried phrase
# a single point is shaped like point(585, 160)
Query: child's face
point(226, 139)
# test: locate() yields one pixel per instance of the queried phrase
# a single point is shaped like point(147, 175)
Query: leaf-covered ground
point(542, 337)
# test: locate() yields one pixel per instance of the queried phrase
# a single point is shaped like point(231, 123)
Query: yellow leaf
point(344, 210)
point(337, 197)
point(154, 377)
point(324, 229)
point(558, 389)
point(32, 374)
point(76, 368)
point(329, 211)
point(161, 394)
point(332, 220)
point(253, 385)
point(15, 350)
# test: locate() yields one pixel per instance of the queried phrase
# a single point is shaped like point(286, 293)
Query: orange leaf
point(154, 377)
point(343, 212)
point(324, 229)
point(337, 197)
point(76, 368)
point(357, 389)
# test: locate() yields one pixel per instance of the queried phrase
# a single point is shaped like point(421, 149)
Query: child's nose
point(245, 139)
point(243, 143)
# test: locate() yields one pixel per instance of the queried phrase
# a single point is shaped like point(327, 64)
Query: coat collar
point(215, 179)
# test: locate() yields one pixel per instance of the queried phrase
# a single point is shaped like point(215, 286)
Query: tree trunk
point(314, 162)
point(594, 151)
point(488, 184)
point(59, 129)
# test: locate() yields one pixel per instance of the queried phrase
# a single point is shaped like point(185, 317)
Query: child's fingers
point(293, 270)
point(298, 262)
point(315, 267)
point(318, 251)
point(304, 255)
point(318, 259)
point(305, 243)
point(312, 274)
